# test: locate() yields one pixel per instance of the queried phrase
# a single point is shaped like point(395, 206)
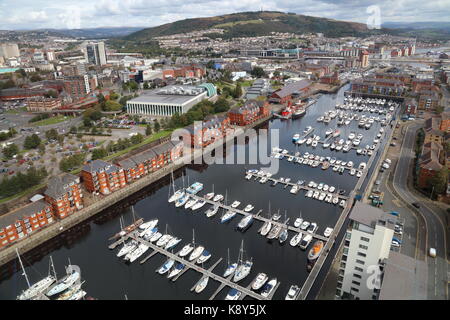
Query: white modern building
point(169, 100)
point(367, 246)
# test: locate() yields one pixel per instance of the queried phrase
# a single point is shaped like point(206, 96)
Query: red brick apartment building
point(148, 161)
point(64, 194)
point(250, 112)
point(40, 104)
point(17, 224)
point(103, 177)
point(189, 71)
point(430, 162)
point(212, 129)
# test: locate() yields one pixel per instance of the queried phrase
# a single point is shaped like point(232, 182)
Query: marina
point(267, 254)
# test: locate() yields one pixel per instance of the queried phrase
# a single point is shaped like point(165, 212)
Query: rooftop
point(22, 212)
point(369, 215)
point(404, 278)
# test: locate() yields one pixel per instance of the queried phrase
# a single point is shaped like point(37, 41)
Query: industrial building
point(170, 100)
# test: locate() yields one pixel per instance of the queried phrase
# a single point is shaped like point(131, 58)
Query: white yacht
point(259, 281)
point(295, 240)
point(212, 211)
point(149, 224)
point(235, 204)
point(328, 232)
point(127, 248)
point(200, 203)
point(293, 292)
point(141, 249)
point(218, 197)
point(249, 208)
point(233, 294)
point(155, 237)
point(190, 203)
point(186, 250)
point(196, 253)
point(177, 195)
point(305, 241)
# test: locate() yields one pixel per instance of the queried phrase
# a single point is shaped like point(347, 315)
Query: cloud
point(20, 14)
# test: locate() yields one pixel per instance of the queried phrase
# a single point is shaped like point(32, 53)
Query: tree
point(210, 64)
point(101, 98)
point(237, 91)
point(99, 153)
point(32, 142)
point(221, 105)
point(438, 183)
point(157, 126)
point(146, 86)
point(148, 130)
point(112, 106)
point(258, 72)
point(51, 134)
point(35, 77)
point(10, 151)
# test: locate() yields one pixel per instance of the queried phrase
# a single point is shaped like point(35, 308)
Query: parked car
point(416, 204)
point(432, 252)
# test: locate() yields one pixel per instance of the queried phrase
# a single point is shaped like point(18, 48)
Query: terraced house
point(211, 129)
point(64, 194)
point(21, 222)
point(250, 112)
point(103, 177)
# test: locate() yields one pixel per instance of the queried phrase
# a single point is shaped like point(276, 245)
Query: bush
point(10, 151)
point(21, 181)
point(39, 117)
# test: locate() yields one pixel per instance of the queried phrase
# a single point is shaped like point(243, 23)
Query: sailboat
point(298, 222)
point(38, 287)
point(244, 267)
point(189, 247)
point(201, 285)
point(176, 194)
point(231, 268)
point(129, 228)
point(65, 283)
point(127, 248)
point(212, 211)
point(210, 195)
point(267, 225)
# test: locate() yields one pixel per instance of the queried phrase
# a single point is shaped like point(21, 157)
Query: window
point(357, 275)
point(360, 262)
point(361, 254)
point(354, 289)
point(365, 239)
point(363, 247)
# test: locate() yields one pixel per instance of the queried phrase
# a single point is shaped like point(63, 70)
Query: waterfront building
point(367, 244)
point(64, 194)
point(251, 111)
point(130, 168)
point(388, 87)
point(21, 222)
point(103, 177)
point(290, 91)
point(169, 100)
point(213, 128)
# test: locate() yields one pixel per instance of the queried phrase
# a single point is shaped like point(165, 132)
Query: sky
point(71, 14)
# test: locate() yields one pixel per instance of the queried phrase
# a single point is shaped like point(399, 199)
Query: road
point(436, 237)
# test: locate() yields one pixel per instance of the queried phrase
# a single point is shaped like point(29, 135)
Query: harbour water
point(109, 277)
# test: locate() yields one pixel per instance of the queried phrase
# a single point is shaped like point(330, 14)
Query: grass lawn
point(17, 111)
point(20, 194)
point(153, 137)
point(52, 120)
point(247, 83)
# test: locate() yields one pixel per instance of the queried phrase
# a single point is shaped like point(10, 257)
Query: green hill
point(257, 24)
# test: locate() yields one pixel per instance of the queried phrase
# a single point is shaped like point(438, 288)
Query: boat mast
point(53, 267)
point(193, 237)
point(23, 269)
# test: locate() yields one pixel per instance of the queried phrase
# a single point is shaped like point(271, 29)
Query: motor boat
point(218, 197)
point(298, 222)
point(304, 243)
point(209, 196)
point(155, 237)
point(195, 188)
point(312, 228)
point(283, 235)
point(127, 248)
point(259, 281)
point(233, 294)
point(328, 232)
point(295, 240)
point(230, 270)
point(315, 251)
point(242, 271)
point(235, 204)
point(293, 292)
point(186, 250)
point(268, 287)
point(249, 208)
point(274, 232)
